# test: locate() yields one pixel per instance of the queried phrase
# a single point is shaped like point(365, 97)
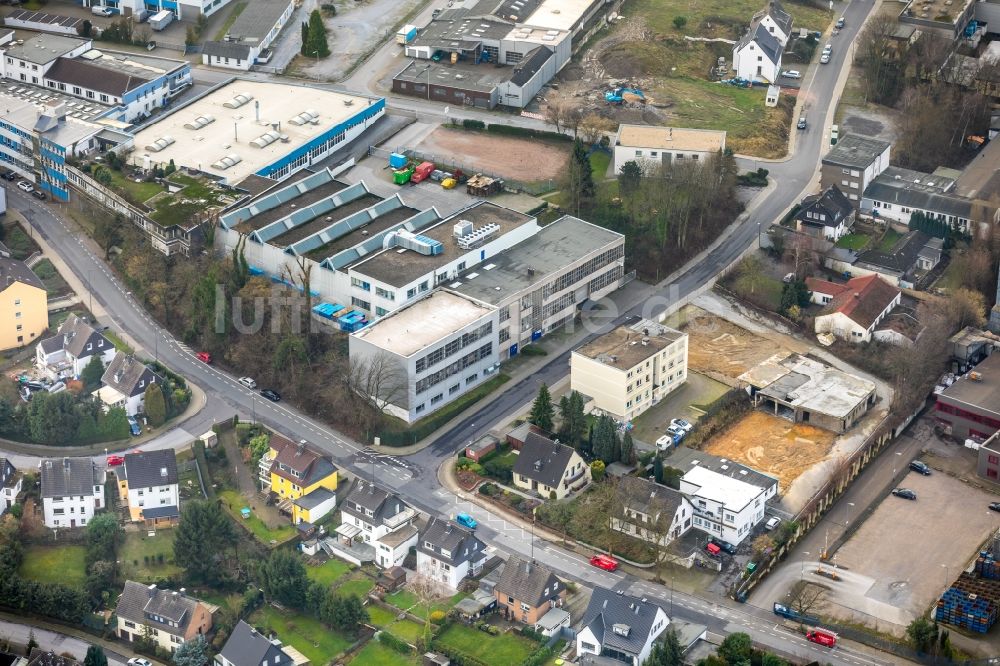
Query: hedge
point(396, 644)
point(512, 130)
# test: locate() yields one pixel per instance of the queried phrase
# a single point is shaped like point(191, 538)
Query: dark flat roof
point(378, 225)
point(855, 150)
point(265, 218)
point(982, 393)
point(295, 234)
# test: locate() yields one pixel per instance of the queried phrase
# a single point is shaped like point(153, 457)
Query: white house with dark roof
point(827, 215)
point(148, 486)
point(72, 491)
point(775, 20)
point(249, 36)
point(381, 519)
point(727, 503)
point(248, 647)
point(620, 627)
point(549, 469)
point(757, 56)
point(69, 351)
point(11, 484)
point(125, 382)
point(447, 553)
point(170, 618)
point(650, 511)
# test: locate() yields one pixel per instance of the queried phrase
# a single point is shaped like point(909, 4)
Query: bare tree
point(593, 126)
point(555, 112)
point(572, 117)
point(805, 597)
point(427, 591)
point(378, 381)
point(929, 54)
point(879, 59)
point(966, 308)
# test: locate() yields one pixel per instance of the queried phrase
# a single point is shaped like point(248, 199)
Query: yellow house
point(24, 313)
point(304, 480)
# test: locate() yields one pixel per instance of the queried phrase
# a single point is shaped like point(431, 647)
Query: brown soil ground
point(720, 349)
point(773, 445)
point(508, 157)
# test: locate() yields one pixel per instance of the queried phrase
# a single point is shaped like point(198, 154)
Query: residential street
point(52, 641)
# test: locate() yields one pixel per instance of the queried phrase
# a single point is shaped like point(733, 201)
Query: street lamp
point(802, 573)
point(894, 465)
point(316, 53)
point(758, 235)
point(847, 521)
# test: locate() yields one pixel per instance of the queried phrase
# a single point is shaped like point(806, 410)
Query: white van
point(102, 11)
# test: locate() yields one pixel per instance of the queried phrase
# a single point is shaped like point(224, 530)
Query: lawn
point(20, 244)
point(599, 162)
point(140, 556)
point(888, 240)
point(724, 16)
point(55, 564)
point(306, 634)
point(359, 587)
point(233, 15)
point(376, 654)
point(195, 198)
point(379, 616)
point(264, 534)
point(329, 572)
point(406, 630)
point(119, 344)
point(406, 600)
point(504, 649)
point(135, 192)
point(55, 285)
point(853, 241)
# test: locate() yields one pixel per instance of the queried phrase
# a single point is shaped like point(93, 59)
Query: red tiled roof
point(824, 286)
point(863, 300)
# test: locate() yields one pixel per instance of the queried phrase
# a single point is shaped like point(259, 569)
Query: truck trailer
point(406, 34)
point(161, 20)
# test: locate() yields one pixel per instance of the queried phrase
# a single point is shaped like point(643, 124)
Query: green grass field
point(306, 634)
point(716, 18)
point(380, 617)
point(406, 600)
point(256, 526)
point(853, 241)
point(55, 564)
point(137, 547)
point(55, 285)
point(500, 650)
point(329, 572)
point(376, 654)
point(135, 192)
point(360, 587)
point(406, 630)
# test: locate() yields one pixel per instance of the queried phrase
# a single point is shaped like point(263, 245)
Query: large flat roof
point(855, 150)
point(307, 198)
point(671, 138)
point(627, 346)
point(731, 493)
point(559, 14)
point(398, 269)
point(234, 128)
point(980, 390)
point(534, 260)
point(75, 107)
point(26, 114)
point(422, 323)
point(462, 75)
point(808, 384)
point(43, 48)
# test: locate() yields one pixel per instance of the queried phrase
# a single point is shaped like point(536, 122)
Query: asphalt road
point(415, 477)
point(53, 641)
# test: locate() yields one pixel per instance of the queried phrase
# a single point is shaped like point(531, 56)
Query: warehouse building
point(970, 408)
point(256, 128)
point(430, 352)
point(248, 39)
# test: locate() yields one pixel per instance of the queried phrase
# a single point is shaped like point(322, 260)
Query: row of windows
point(580, 272)
point(967, 415)
point(424, 286)
point(453, 347)
point(461, 364)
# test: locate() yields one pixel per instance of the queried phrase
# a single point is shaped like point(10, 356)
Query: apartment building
point(853, 164)
point(72, 491)
point(24, 313)
point(380, 518)
point(169, 617)
point(148, 486)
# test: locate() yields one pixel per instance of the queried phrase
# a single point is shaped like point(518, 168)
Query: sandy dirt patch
point(508, 157)
point(773, 445)
point(720, 349)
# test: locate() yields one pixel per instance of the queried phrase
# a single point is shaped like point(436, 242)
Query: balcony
point(400, 519)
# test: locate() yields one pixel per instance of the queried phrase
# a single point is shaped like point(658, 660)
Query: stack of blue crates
point(967, 610)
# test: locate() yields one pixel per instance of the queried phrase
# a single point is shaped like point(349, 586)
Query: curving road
point(414, 477)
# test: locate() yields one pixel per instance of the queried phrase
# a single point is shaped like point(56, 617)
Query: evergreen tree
point(542, 411)
point(667, 652)
point(315, 44)
point(155, 405)
point(202, 536)
point(579, 179)
point(304, 29)
point(629, 178)
point(192, 653)
point(658, 469)
point(736, 648)
point(604, 440)
point(628, 449)
point(92, 373)
point(284, 579)
point(572, 420)
point(95, 656)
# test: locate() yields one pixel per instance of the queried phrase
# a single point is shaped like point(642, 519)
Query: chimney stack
point(152, 590)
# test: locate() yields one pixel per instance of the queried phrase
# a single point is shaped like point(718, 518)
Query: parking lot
point(931, 539)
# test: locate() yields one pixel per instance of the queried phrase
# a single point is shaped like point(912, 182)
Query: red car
point(114, 461)
point(605, 562)
point(713, 549)
point(822, 636)
point(204, 357)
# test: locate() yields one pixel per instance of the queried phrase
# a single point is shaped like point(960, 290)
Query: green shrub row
point(395, 643)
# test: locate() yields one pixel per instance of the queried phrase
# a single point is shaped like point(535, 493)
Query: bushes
point(396, 644)
point(438, 616)
point(488, 489)
point(756, 178)
point(511, 130)
point(528, 632)
point(538, 658)
point(500, 468)
point(471, 124)
point(487, 627)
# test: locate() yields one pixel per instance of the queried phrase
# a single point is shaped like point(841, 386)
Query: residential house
point(125, 382)
point(828, 215)
point(904, 264)
point(898, 193)
point(304, 479)
point(381, 519)
point(448, 553)
point(853, 164)
point(651, 147)
point(248, 647)
point(72, 491)
point(970, 407)
point(39, 657)
point(550, 469)
point(650, 511)
point(11, 484)
point(631, 368)
point(24, 313)
point(73, 346)
point(757, 56)
point(148, 486)
point(776, 20)
point(855, 309)
point(526, 591)
point(620, 626)
point(170, 618)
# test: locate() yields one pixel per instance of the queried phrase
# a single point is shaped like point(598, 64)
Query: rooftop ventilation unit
point(411, 241)
point(478, 236)
point(266, 139)
point(237, 101)
point(227, 162)
point(200, 122)
point(160, 144)
point(307, 116)
point(462, 228)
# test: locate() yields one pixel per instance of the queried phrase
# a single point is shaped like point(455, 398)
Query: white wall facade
point(752, 64)
point(72, 511)
point(643, 526)
point(444, 573)
point(587, 643)
point(155, 497)
point(729, 523)
point(652, 158)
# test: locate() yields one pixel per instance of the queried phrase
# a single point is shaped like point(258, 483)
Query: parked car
point(605, 562)
point(822, 636)
point(828, 48)
point(824, 59)
point(713, 549)
point(139, 661)
point(792, 74)
point(271, 395)
point(994, 506)
point(114, 461)
point(918, 466)
point(677, 432)
point(57, 387)
point(682, 424)
point(248, 382)
point(665, 442)
point(772, 523)
point(204, 357)
point(435, 13)
point(134, 427)
point(905, 493)
point(724, 545)
point(25, 186)
point(802, 122)
point(102, 11)
point(465, 520)
point(840, 22)
point(10, 175)
point(38, 194)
